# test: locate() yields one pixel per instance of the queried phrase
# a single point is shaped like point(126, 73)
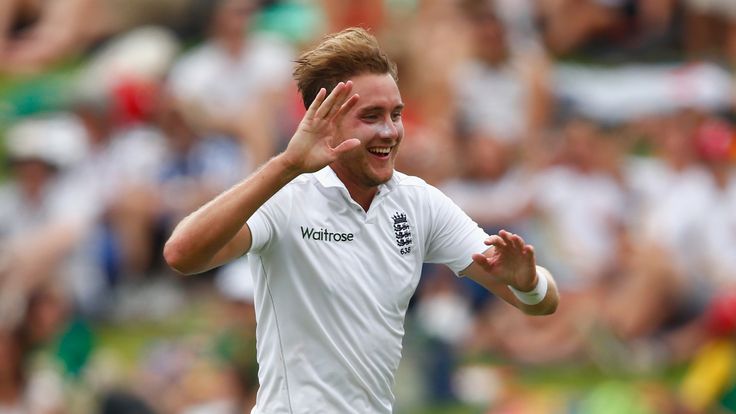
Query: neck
point(361, 194)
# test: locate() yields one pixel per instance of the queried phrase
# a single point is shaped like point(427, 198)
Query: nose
point(389, 130)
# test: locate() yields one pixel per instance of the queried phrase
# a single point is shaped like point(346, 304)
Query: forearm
point(215, 233)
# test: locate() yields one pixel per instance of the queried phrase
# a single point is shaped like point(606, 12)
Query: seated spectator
point(35, 35)
point(613, 27)
point(492, 176)
point(500, 91)
point(235, 83)
point(41, 218)
point(710, 29)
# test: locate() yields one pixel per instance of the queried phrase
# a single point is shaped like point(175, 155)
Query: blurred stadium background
point(602, 131)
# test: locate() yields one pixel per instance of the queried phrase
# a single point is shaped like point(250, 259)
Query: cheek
point(355, 129)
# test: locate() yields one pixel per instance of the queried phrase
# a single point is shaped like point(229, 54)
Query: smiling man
point(337, 239)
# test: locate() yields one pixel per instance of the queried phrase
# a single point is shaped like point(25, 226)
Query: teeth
point(380, 151)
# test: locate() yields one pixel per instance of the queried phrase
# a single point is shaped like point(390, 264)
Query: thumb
point(347, 145)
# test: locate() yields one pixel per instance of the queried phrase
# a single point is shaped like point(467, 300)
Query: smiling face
point(376, 122)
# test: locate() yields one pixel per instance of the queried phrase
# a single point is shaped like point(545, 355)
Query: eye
point(370, 117)
point(396, 116)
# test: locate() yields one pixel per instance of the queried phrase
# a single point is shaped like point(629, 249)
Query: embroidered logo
point(402, 230)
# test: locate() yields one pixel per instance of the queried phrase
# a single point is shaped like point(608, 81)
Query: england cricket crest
point(402, 231)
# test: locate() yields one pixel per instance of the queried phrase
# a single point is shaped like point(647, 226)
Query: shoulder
point(303, 181)
point(407, 185)
point(300, 186)
point(402, 179)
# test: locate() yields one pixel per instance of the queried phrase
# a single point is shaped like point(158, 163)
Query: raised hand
point(310, 149)
point(510, 260)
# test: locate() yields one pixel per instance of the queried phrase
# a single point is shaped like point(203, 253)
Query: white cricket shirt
point(333, 282)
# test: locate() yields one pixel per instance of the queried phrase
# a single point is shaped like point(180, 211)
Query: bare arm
point(510, 262)
point(62, 27)
point(217, 232)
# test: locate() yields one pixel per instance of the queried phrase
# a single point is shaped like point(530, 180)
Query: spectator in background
point(578, 208)
point(711, 29)
point(193, 169)
point(37, 206)
point(34, 35)
point(581, 205)
point(430, 146)
point(608, 26)
point(672, 192)
point(712, 305)
point(492, 174)
point(44, 352)
point(716, 144)
point(12, 375)
point(113, 186)
point(501, 92)
point(236, 82)
point(340, 14)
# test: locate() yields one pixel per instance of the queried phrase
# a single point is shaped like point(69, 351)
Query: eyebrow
point(400, 107)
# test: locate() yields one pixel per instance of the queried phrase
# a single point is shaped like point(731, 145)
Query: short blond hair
point(339, 57)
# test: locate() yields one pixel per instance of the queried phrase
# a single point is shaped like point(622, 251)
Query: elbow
point(550, 309)
point(176, 258)
point(541, 309)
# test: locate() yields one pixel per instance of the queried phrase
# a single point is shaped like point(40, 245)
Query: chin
point(382, 178)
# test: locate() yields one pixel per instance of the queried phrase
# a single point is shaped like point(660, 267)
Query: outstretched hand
point(310, 149)
point(510, 260)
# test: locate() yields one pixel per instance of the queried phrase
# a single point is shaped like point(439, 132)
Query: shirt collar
point(327, 178)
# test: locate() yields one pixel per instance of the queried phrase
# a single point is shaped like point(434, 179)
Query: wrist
point(289, 167)
point(536, 294)
point(528, 286)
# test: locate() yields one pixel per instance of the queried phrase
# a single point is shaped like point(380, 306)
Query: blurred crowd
point(601, 131)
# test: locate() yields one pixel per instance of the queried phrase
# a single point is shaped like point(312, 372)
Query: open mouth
point(380, 152)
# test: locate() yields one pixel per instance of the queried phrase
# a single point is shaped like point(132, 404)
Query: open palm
point(509, 260)
point(310, 149)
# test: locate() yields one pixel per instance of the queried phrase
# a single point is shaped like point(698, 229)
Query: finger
point(346, 107)
point(529, 250)
point(483, 262)
point(495, 240)
point(340, 100)
point(506, 235)
point(333, 99)
point(517, 241)
point(511, 239)
point(347, 145)
point(316, 103)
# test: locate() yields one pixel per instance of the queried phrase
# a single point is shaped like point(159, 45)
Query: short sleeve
point(453, 236)
point(267, 222)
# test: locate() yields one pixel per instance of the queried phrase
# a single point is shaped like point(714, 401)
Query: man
point(337, 240)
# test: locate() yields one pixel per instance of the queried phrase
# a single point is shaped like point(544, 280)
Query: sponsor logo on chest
point(309, 233)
